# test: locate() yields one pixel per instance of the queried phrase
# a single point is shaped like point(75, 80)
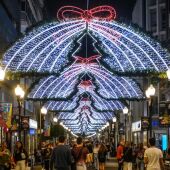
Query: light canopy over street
point(86, 60)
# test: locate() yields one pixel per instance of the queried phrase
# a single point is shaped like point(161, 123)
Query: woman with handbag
point(80, 153)
point(20, 156)
point(5, 157)
point(102, 153)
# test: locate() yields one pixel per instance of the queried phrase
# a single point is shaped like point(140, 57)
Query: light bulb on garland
point(128, 50)
point(168, 73)
point(39, 48)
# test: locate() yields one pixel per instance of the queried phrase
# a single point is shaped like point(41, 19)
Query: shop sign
point(6, 113)
point(145, 123)
point(32, 131)
point(155, 123)
point(136, 126)
point(33, 124)
point(25, 122)
point(15, 123)
point(164, 120)
point(113, 126)
point(164, 114)
point(121, 128)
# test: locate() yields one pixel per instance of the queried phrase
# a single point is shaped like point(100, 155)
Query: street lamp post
point(168, 73)
point(2, 74)
point(19, 92)
point(43, 111)
point(115, 131)
point(125, 112)
point(149, 93)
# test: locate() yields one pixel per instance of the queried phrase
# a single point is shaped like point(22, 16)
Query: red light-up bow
point(88, 60)
point(85, 99)
point(86, 83)
point(105, 12)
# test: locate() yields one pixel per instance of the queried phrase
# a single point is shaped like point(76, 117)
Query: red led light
point(88, 60)
point(104, 12)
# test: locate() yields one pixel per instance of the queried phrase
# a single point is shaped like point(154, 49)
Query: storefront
point(136, 132)
point(32, 136)
point(145, 126)
point(160, 133)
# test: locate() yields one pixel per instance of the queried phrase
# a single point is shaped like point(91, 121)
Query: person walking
point(20, 156)
point(47, 155)
point(61, 156)
point(140, 157)
point(95, 153)
point(119, 155)
point(102, 153)
point(153, 157)
point(5, 157)
point(127, 157)
point(80, 153)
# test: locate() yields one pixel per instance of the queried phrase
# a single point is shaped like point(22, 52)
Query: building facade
point(16, 17)
point(154, 17)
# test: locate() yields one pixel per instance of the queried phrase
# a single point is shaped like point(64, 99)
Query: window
point(162, 1)
point(23, 5)
point(163, 19)
point(152, 2)
point(153, 22)
point(163, 37)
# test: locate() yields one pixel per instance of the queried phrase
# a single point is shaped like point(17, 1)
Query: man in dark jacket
point(61, 156)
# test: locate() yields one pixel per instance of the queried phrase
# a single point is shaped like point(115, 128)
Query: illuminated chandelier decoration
point(108, 86)
point(88, 116)
point(115, 47)
point(93, 100)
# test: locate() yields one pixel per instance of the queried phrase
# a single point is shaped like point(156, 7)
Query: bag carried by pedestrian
point(102, 156)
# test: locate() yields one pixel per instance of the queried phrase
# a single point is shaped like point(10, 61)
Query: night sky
point(123, 7)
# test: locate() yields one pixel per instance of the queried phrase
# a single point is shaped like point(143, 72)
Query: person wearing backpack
point(102, 153)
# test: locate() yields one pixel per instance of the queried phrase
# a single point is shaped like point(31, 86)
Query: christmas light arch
point(51, 49)
point(46, 49)
point(129, 50)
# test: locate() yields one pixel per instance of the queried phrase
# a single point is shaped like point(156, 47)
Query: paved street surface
point(111, 164)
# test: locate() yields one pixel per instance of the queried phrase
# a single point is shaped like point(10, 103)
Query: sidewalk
point(111, 164)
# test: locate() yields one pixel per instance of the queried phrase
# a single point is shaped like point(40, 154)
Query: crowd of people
point(77, 156)
point(80, 155)
point(139, 157)
point(17, 160)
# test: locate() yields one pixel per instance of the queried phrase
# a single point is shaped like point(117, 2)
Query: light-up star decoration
point(83, 56)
